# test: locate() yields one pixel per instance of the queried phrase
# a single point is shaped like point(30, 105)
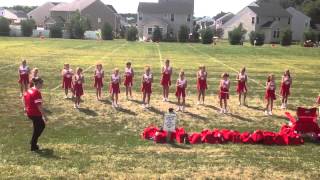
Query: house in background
point(205, 22)
point(15, 17)
point(300, 23)
point(42, 13)
point(96, 11)
point(219, 22)
point(168, 15)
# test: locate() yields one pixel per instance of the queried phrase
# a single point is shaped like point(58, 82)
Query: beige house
point(96, 11)
point(15, 17)
point(42, 13)
point(168, 15)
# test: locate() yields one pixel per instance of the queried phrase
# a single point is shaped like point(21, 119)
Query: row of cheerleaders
point(73, 82)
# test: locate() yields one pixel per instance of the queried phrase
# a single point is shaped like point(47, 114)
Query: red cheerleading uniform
point(78, 86)
point(166, 77)
point(24, 74)
point(241, 86)
point(285, 86)
point(147, 84)
point(224, 90)
point(32, 98)
point(114, 85)
point(181, 88)
point(128, 82)
point(271, 91)
point(98, 78)
point(202, 81)
point(67, 78)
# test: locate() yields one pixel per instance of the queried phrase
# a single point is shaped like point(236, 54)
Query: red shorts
point(270, 94)
point(98, 83)
point(224, 94)
point(202, 85)
point(285, 90)
point(181, 92)
point(67, 83)
point(78, 90)
point(146, 88)
point(241, 87)
point(128, 82)
point(24, 79)
point(114, 88)
point(166, 80)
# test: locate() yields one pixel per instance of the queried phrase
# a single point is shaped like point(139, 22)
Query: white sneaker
point(78, 105)
point(202, 102)
point(266, 113)
point(286, 106)
point(178, 109)
point(225, 111)
point(148, 106)
point(113, 105)
point(75, 106)
point(270, 113)
point(65, 97)
point(239, 104)
point(282, 106)
point(182, 108)
point(143, 106)
point(198, 103)
point(167, 99)
point(221, 111)
point(164, 100)
point(116, 105)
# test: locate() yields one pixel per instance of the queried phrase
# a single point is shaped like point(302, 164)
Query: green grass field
point(99, 142)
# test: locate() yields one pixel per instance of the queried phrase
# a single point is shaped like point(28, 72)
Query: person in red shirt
point(78, 81)
point(286, 83)
point(98, 80)
point(115, 87)
point(128, 79)
point(270, 94)
point(224, 92)
point(202, 83)
point(34, 111)
point(147, 80)
point(24, 72)
point(242, 86)
point(181, 86)
point(67, 75)
point(166, 80)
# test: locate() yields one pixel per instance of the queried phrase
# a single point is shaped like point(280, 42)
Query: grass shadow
point(127, 111)
point(255, 108)
point(106, 101)
point(176, 103)
point(156, 111)
point(47, 153)
point(136, 101)
point(196, 116)
point(178, 146)
point(240, 117)
point(212, 107)
point(47, 111)
point(88, 112)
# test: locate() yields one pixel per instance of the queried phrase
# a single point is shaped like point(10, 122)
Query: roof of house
point(267, 24)
point(112, 8)
point(18, 13)
point(292, 9)
point(169, 7)
point(225, 17)
point(269, 9)
point(41, 7)
point(73, 6)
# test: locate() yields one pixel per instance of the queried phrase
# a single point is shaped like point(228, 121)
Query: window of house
point(172, 17)
point(253, 20)
point(99, 20)
point(307, 24)
point(258, 20)
point(140, 16)
point(279, 18)
point(149, 31)
point(189, 18)
point(289, 20)
point(274, 34)
point(161, 30)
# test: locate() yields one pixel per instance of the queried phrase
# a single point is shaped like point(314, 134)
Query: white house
point(168, 15)
point(15, 17)
point(299, 23)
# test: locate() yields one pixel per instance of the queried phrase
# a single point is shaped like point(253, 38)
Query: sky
point(202, 7)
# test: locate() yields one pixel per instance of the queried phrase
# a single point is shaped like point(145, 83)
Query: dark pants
point(38, 127)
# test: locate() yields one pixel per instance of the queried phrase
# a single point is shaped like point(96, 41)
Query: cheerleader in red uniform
point(181, 91)
point(286, 83)
point(270, 95)
point(24, 72)
point(166, 80)
point(67, 74)
point(202, 83)
point(147, 80)
point(34, 75)
point(242, 79)
point(128, 82)
point(224, 92)
point(115, 87)
point(78, 81)
point(98, 80)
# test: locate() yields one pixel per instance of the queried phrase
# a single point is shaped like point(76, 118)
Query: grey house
point(42, 13)
point(168, 15)
point(96, 11)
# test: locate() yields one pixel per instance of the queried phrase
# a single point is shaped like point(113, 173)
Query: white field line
point(10, 65)
point(160, 58)
point(231, 68)
point(299, 69)
point(88, 68)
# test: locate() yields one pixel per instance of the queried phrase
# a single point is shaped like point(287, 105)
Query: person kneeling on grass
point(78, 87)
point(181, 91)
point(224, 92)
point(35, 112)
point(270, 94)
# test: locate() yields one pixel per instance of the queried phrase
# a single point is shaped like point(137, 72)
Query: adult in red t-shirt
point(35, 112)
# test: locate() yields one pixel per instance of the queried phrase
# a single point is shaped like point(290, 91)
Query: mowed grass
point(99, 142)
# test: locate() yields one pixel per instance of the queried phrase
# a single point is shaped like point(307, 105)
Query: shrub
point(107, 32)
point(286, 38)
point(4, 27)
point(310, 35)
point(258, 36)
point(78, 26)
point(157, 35)
point(132, 34)
point(236, 36)
point(27, 27)
point(207, 36)
point(218, 32)
point(183, 33)
point(56, 31)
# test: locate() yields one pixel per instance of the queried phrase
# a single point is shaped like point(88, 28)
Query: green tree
point(107, 32)
point(132, 34)
point(4, 27)
point(183, 33)
point(27, 27)
point(56, 31)
point(257, 37)
point(207, 36)
point(157, 35)
point(78, 26)
point(236, 36)
point(286, 37)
